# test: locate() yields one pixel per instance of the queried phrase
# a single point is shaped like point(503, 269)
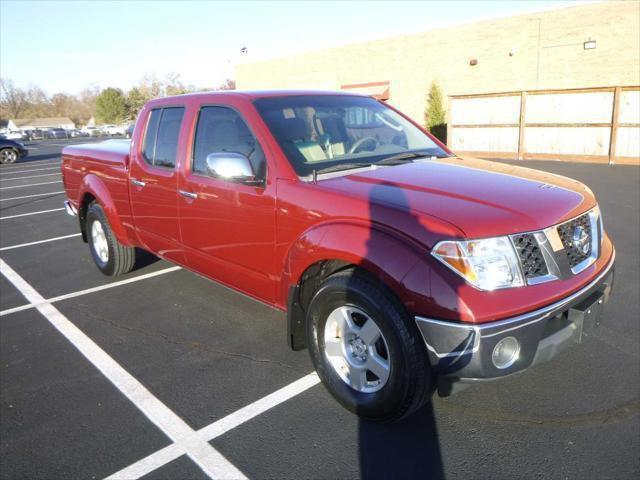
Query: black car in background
point(36, 134)
point(57, 133)
point(10, 151)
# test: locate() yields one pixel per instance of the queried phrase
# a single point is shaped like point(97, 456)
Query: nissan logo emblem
point(580, 240)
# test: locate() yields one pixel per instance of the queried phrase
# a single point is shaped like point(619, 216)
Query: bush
point(111, 106)
point(435, 115)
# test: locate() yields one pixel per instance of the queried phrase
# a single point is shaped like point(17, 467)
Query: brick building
point(581, 47)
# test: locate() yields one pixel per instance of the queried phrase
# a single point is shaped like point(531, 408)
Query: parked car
point(402, 267)
point(11, 151)
point(35, 134)
point(113, 129)
point(57, 133)
point(75, 133)
point(14, 135)
point(92, 131)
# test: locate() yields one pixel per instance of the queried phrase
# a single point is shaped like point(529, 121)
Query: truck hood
point(480, 198)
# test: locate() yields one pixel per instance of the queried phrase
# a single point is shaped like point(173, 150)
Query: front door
point(228, 228)
point(154, 184)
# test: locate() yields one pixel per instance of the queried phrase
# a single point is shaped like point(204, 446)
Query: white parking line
point(31, 213)
point(29, 196)
point(32, 176)
point(212, 462)
point(90, 290)
point(30, 184)
point(39, 241)
point(29, 164)
point(27, 171)
point(168, 454)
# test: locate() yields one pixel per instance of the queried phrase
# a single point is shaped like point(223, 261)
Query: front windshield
point(325, 132)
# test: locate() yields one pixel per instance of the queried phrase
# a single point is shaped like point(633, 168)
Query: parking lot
point(162, 374)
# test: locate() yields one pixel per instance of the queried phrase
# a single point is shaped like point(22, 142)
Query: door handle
point(186, 194)
point(138, 183)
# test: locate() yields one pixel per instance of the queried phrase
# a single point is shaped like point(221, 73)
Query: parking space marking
point(29, 164)
point(219, 427)
point(27, 171)
point(31, 213)
point(33, 176)
point(86, 291)
point(39, 241)
point(30, 184)
point(30, 196)
point(187, 440)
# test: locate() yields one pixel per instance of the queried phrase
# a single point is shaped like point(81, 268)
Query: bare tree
point(34, 102)
point(228, 84)
point(13, 100)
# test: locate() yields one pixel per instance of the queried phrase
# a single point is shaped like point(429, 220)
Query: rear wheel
point(367, 349)
point(8, 155)
point(110, 256)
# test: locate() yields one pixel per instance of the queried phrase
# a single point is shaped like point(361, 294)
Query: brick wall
point(547, 52)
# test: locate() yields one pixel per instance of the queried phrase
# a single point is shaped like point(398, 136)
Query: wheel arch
point(93, 189)
point(384, 255)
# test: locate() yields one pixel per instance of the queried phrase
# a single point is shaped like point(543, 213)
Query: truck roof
point(254, 94)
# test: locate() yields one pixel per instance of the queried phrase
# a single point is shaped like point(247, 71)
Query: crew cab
point(402, 268)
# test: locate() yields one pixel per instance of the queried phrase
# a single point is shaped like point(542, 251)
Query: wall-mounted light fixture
point(589, 44)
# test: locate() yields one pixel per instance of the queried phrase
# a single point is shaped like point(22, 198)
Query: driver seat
point(335, 135)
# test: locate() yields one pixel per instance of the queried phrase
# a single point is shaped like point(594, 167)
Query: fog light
point(505, 353)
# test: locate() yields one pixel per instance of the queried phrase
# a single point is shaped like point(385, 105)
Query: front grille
point(531, 259)
point(567, 231)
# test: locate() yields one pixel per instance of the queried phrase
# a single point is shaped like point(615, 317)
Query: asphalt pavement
point(162, 374)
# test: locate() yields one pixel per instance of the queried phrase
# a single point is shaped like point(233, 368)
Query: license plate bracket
point(586, 315)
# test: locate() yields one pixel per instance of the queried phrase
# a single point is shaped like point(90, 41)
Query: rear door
point(154, 183)
point(228, 228)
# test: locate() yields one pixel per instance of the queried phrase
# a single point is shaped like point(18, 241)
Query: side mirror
point(232, 166)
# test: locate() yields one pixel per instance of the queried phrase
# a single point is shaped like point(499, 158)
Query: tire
point(410, 381)
point(8, 155)
point(110, 256)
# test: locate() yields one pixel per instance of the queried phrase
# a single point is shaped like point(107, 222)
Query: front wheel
point(367, 349)
point(8, 155)
point(110, 256)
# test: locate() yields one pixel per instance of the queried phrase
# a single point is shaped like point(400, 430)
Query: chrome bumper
point(463, 352)
point(71, 210)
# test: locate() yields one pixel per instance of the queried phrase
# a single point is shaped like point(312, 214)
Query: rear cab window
point(160, 144)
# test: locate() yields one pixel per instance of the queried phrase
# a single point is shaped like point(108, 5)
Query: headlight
point(486, 264)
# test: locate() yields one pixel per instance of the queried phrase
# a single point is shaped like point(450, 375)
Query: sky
point(65, 46)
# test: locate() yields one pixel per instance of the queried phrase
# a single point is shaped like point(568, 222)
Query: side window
point(149, 145)
point(222, 129)
point(161, 140)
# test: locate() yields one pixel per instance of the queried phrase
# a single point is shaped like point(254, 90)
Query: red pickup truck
point(402, 267)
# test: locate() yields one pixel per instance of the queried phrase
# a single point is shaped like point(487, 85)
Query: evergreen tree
point(435, 115)
point(111, 106)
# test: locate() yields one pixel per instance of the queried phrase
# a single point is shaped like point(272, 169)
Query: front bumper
point(463, 352)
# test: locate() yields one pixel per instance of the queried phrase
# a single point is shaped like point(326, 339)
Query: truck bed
point(98, 167)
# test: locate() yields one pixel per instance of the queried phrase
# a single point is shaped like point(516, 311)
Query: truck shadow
point(144, 259)
point(409, 448)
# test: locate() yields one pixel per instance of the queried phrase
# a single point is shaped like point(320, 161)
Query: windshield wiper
point(398, 159)
point(402, 158)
